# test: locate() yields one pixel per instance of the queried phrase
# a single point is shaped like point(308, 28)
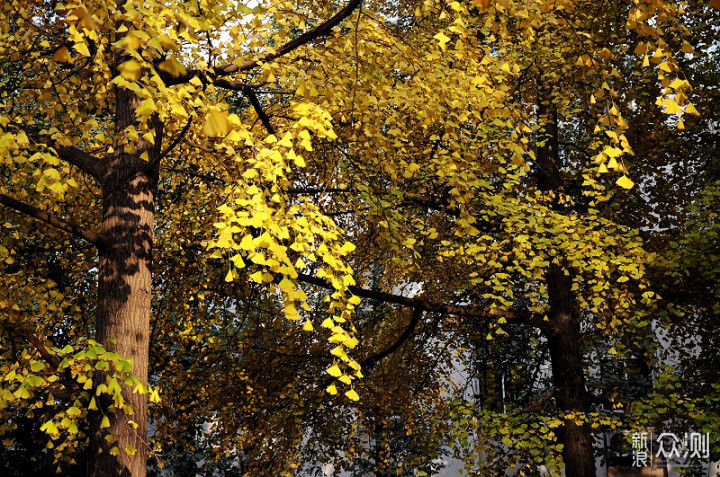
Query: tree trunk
point(124, 292)
point(563, 331)
point(563, 335)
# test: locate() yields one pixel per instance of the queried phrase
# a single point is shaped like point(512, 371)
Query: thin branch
point(371, 361)
point(68, 382)
point(202, 148)
point(51, 359)
point(538, 403)
point(259, 110)
point(192, 173)
point(156, 160)
point(55, 221)
point(312, 190)
point(575, 146)
point(425, 305)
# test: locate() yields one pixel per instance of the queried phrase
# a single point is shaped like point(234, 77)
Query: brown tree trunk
point(124, 292)
point(563, 331)
point(563, 335)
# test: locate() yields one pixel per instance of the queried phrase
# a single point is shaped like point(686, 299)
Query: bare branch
point(371, 361)
point(57, 222)
point(259, 110)
point(67, 379)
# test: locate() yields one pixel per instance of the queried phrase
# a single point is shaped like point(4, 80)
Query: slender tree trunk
point(124, 291)
point(563, 332)
point(563, 335)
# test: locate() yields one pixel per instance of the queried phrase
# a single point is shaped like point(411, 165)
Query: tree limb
point(321, 30)
point(258, 109)
point(425, 305)
point(371, 361)
point(62, 224)
point(70, 154)
point(67, 380)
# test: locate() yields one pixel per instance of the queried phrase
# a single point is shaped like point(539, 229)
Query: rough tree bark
point(124, 292)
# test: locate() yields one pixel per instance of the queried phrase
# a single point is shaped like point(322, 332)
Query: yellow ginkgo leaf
point(352, 395)
point(291, 312)
point(625, 182)
point(130, 70)
point(216, 124)
point(442, 39)
point(334, 371)
point(331, 389)
point(602, 169)
point(308, 326)
point(677, 83)
point(105, 422)
point(481, 4)
point(671, 107)
point(613, 151)
point(681, 124)
point(62, 55)
point(173, 67)
point(690, 109)
point(81, 48)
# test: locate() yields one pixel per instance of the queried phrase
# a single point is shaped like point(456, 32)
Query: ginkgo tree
point(102, 92)
point(288, 134)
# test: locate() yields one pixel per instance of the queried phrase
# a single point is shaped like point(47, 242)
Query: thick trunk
point(124, 291)
point(123, 323)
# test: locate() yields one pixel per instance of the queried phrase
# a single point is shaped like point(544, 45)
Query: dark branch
point(259, 110)
point(205, 177)
point(316, 190)
point(67, 379)
point(70, 154)
point(156, 160)
point(57, 222)
point(425, 305)
point(371, 361)
point(323, 29)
